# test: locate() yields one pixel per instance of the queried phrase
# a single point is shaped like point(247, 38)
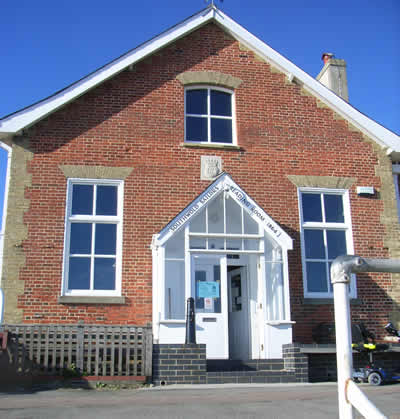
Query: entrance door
point(209, 289)
point(238, 314)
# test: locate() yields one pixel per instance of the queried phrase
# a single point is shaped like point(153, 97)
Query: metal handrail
point(349, 394)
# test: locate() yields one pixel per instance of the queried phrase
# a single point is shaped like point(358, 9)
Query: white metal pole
point(341, 269)
point(344, 356)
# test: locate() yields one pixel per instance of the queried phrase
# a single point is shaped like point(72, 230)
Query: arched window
point(209, 115)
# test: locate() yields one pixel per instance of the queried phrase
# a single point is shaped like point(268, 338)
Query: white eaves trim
point(15, 123)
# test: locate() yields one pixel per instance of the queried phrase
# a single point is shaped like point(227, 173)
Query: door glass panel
point(208, 289)
point(236, 293)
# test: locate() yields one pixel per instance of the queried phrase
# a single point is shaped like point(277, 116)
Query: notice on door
point(208, 289)
point(208, 303)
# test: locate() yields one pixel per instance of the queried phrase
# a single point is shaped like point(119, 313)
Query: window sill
point(279, 322)
point(322, 301)
point(80, 299)
point(217, 146)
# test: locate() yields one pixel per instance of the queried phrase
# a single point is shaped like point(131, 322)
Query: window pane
point(82, 199)
point(252, 244)
point(81, 238)
point(221, 103)
point(196, 101)
point(334, 208)
point(175, 247)
point(79, 273)
point(105, 239)
point(314, 243)
point(311, 204)
point(216, 215)
point(233, 217)
point(221, 130)
point(250, 226)
point(336, 243)
point(233, 244)
point(196, 129)
point(316, 277)
point(216, 244)
point(198, 223)
point(174, 290)
point(197, 243)
point(104, 274)
point(106, 201)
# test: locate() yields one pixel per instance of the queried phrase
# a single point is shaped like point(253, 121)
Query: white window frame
point(396, 176)
point(346, 225)
point(209, 116)
point(69, 219)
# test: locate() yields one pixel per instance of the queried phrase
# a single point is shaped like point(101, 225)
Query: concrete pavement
point(219, 401)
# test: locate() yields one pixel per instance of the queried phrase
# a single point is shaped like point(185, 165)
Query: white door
point(209, 289)
point(239, 323)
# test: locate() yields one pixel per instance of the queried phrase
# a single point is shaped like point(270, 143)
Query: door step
point(248, 371)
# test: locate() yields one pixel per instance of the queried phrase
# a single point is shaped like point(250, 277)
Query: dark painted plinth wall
point(179, 364)
point(322, 367)
point(295, 361)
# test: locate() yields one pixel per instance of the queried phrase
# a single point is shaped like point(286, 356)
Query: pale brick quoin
point(131, 127)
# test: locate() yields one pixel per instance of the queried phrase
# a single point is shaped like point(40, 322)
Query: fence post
point(79, 346)
point(147, 352)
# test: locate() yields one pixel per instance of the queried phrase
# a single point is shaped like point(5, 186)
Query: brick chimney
point(334, 76)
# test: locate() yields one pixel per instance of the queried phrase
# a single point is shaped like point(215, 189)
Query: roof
point(15, 123)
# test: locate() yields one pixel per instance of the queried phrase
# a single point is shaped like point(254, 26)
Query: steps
point(248, 371)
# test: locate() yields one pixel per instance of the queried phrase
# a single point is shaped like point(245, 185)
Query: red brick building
point(201, 164)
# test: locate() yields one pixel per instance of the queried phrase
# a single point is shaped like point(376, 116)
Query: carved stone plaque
point(211, 167)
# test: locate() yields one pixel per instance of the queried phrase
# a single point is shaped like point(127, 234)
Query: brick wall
point(136, 120)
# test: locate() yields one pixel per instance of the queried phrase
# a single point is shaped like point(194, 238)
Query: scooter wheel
point(375, 379)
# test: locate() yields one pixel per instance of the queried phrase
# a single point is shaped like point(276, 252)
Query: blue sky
point(46, 45)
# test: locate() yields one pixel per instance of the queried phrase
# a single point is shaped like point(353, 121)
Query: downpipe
point(341, 270)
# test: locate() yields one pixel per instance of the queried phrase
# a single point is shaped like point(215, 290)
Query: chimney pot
point(326, 56)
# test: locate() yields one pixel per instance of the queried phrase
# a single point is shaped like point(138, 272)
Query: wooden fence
point(70, 350)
